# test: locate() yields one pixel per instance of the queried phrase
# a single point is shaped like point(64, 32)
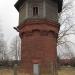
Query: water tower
point(38, 29)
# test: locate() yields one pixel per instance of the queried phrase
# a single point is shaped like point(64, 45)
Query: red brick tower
point(38, 30)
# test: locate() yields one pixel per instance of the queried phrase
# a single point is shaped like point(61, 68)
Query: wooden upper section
point(59, 2)
point(44, 9)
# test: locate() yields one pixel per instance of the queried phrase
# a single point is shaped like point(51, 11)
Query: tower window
point(35, 11)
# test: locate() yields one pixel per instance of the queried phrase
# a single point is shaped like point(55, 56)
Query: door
point(36, 69)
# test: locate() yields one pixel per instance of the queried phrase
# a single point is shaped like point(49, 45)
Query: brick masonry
point(38, 44)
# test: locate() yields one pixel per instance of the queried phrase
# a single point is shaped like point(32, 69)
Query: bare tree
point(3, 47)
point(15, 47)
point(67, 30)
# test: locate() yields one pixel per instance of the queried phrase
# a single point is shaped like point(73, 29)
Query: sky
point(9, 18)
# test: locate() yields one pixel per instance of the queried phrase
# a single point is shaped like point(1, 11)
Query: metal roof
point(19, 3)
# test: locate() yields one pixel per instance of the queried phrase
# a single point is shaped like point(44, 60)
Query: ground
point(61, 71)
point(66, 71)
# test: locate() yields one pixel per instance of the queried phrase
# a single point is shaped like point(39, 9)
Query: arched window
point(28, 33)
point(44, 33)
point(36, 32)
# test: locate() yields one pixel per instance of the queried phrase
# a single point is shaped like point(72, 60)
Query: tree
point(67, 30)
point(15, 49)
point(3, 47)
point(72, 62)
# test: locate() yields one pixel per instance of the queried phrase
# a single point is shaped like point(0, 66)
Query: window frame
point(35, 10)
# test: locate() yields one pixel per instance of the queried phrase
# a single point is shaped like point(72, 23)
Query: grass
point(6, 72)
point(61, 71)
point(66, 71)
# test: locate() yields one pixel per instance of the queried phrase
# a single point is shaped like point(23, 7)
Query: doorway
point(36, 69)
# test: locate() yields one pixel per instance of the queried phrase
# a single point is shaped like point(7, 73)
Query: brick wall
point(38, 44)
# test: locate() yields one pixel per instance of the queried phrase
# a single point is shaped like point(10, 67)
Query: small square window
point(35, 11)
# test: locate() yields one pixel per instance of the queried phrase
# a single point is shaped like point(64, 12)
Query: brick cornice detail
point(39, 22)
point(40, 33)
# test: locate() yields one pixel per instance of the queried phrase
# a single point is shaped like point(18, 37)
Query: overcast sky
point(68, 15)
point(8, 18)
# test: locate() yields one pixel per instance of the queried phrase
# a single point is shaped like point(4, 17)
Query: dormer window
point(35, 11)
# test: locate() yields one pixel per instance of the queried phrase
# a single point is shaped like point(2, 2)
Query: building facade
point(38, 29)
